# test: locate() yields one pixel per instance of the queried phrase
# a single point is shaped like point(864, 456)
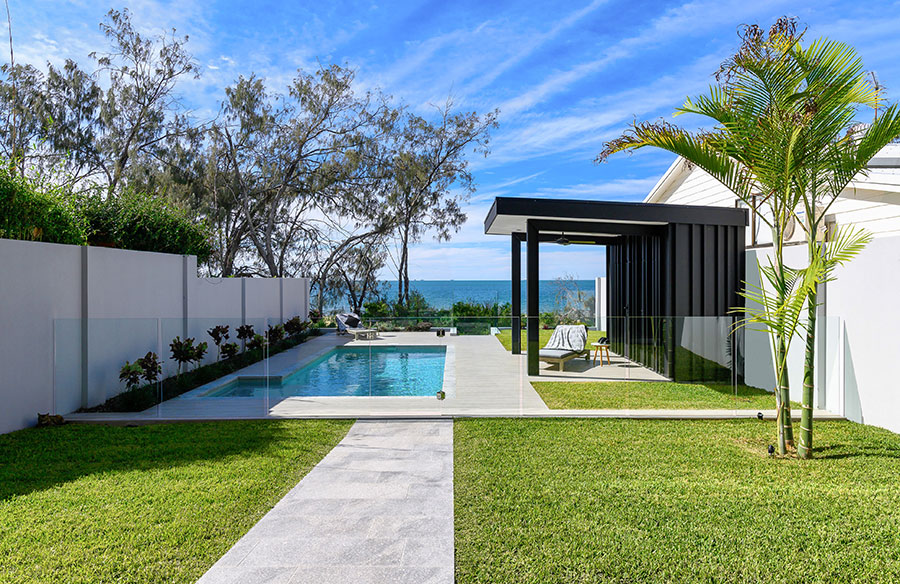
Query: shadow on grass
point(42, 458)
point(844, 451)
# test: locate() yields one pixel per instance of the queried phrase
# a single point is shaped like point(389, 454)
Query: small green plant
point(131, 374)
point(245, 333)
point(229, 350)
point(151, 367)
point(257, 342)
point(182, 351)
point(275, 333)
point(219, 334)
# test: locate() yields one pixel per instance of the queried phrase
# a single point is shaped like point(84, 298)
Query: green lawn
point(650, 395)
point(541, 501)
point(505, 337)
point(159, 503)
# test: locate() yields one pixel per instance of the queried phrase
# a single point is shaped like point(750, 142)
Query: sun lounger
point(566, 343)
point(350, 323)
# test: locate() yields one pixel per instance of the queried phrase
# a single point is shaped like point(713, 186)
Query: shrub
point(275, 333)
point(420, 326)
point(219, 334)
point(229, 350)
point(245, 333)
point(257, 342)
point(295, 326)
point(28, 213)
point(131, 373)
point(144, 222)
point(151, 367)
point(200, 352)
point(182, 351)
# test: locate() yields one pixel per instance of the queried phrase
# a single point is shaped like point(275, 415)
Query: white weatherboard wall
point(71, 316)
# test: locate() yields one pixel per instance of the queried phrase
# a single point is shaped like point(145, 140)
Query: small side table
point(601, 348)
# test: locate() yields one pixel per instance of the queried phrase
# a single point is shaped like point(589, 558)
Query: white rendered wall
point(600, 304)
point(40, 285)
point(133, 302)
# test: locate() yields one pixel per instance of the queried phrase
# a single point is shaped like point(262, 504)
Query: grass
point(631, 501)
point(505, 338)
point(638, 395)
point(162, 503)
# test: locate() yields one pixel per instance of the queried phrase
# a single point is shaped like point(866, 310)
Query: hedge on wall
point(26, 212)
point(144, 222)
point(129, 220)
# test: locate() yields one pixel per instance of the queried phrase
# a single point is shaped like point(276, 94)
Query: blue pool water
point(355, 371)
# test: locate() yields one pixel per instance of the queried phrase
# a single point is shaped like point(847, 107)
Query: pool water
point(355, 371)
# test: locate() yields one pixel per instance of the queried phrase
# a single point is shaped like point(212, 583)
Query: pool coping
point(448, 384)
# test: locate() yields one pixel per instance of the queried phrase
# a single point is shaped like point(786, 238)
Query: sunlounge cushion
point(351, 321)
point(568, 337)
point(555, 353)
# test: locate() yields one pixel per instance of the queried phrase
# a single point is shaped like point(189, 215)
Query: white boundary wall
point(71, 316)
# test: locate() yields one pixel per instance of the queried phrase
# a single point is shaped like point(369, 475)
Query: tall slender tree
point(782, 144)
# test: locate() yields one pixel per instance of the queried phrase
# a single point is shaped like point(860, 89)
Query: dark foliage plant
point(229, 350)
point(245, 333)
point(200, 352)
point(275, 333)
point(183, 351)
point(295, 326)
point(257, 342)
point(131, 374)
point(150, 366)
point(219, 335)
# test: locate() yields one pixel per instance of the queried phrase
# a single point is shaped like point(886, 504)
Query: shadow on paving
point(42, 458)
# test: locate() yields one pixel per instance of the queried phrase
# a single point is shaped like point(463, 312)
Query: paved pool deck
point(377, 509)
point(482, 379)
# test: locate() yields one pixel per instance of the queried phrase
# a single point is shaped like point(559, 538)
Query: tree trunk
point(780, 370)
point(403, 270)
point(806, 418)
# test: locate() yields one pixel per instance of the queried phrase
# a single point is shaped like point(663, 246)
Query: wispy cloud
point(689, 19)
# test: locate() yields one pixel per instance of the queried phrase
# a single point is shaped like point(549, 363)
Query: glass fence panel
point(66, 365)
point(424, 364)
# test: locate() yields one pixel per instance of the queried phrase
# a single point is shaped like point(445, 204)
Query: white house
point(859, 352)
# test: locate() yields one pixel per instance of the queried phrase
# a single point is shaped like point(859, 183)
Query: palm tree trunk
point(804, 450)
point(781, 370)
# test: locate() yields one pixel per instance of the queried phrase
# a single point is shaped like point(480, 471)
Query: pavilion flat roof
point(508, 215)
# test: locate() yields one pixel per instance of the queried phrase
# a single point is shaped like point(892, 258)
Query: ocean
point(443, 293)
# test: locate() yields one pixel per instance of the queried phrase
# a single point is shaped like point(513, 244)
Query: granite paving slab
point(378, 508)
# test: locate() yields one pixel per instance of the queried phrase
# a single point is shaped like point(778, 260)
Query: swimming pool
point(353, 371)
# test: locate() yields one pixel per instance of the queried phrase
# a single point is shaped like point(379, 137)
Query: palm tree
point(749, 152)
point(781, 143)
point(836, 88)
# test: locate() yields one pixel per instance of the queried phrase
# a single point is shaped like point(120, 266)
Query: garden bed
point(141, 398)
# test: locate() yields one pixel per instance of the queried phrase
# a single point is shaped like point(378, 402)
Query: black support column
point(516, 321)
point(533, 300)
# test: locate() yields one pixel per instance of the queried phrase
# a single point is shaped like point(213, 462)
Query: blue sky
point(565, 75)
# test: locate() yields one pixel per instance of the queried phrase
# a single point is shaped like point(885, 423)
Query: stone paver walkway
point(378, 508)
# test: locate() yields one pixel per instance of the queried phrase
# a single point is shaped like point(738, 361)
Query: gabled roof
point(883, 175)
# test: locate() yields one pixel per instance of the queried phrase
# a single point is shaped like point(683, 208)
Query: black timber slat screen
point(657, 285)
